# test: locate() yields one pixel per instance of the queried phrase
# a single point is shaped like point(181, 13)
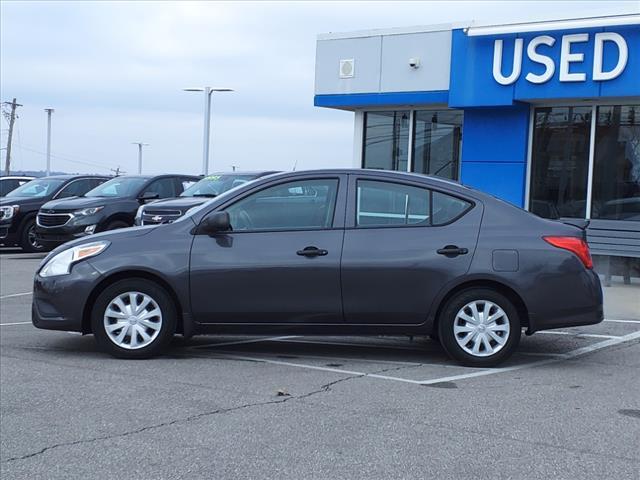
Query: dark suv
point(110, 206)
point(166, 211)
point(19, 207)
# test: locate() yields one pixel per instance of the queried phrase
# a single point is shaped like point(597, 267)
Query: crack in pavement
point(324, 388)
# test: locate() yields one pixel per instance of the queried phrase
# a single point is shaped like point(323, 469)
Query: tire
point(27, 237)
point(153, 332)
point(116, 224)
point(471, 342)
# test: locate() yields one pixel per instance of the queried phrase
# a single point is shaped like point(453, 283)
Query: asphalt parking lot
point(567, 405)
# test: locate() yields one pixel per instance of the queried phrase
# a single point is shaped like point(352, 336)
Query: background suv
point(12, 182)
point(166, 211)
point(110, 206)
point(19, 207)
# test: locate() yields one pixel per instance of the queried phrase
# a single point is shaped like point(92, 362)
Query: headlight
point(60, 264)
point(9, 211)
point(140, 212)
point(88, 211)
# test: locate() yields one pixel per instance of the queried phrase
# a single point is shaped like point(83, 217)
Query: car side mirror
point(146, 196)
point(216, 222)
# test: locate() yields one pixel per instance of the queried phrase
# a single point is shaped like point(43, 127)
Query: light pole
point(140, 145)
point(49, 112)
point(207, 120)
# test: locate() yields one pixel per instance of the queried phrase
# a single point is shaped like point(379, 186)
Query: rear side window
point(447, 208)
point(384, 203)
point(394, 204)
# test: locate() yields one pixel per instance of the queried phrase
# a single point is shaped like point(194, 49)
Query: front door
point(403, 243)
point(281, 262)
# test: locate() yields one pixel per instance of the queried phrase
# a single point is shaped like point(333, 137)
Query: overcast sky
point(114, 71)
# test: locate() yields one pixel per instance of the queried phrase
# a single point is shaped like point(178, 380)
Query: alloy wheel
point(481, 328)
point(132, 320)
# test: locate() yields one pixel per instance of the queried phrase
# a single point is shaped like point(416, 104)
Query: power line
point(66, 158)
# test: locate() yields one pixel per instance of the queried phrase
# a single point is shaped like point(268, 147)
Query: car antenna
point(295, 164)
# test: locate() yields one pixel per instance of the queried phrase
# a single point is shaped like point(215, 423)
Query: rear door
point(403, 242)
point(281, 262)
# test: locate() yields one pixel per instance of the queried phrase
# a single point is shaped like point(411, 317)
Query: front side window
point(76, 188)
point(386, 140)
point(297, 205)
point(560, 161)
point(437, 142)
point(616, 168)
point(164, 187)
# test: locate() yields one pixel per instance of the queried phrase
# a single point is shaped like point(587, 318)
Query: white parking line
point(478, 373)
point(566, 356)
point(582, 335)
point(14, 323)
point(15, 295)
point(621, 321)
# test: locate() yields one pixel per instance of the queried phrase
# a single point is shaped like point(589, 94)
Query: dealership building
point(544, 115)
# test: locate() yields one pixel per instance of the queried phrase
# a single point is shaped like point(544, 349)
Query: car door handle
point(452, 251)
point(312, 252)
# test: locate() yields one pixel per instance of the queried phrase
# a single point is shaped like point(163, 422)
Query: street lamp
point(140, 145)
point(207, 120)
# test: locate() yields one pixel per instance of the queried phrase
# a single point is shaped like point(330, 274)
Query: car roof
point(391, 174)
point(149, 177)
point(71, 177)
point(244, 172)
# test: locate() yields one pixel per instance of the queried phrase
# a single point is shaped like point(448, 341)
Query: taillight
point(574, 245)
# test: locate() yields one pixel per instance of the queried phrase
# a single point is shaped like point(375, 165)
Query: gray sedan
point(328, 252)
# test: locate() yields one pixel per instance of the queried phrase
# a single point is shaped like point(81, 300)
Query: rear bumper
point(589, 312)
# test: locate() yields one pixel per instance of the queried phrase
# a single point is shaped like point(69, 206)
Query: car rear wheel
point(133, 318)
point(479, 327)
point(28, 240)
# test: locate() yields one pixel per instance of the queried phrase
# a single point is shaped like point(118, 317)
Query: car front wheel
point(133, 318)
point(479, 327)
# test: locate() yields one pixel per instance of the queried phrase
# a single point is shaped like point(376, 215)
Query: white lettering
point(497, 62)
point(623, 55)
point(566, 58)
point(536, 57)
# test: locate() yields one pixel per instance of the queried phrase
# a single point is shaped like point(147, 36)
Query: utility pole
point(140, 145)
point(208, 91)
point(49, 112)
point(117, 170)
point(12, 119)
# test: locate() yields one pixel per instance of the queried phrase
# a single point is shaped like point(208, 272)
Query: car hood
point(180, 203)
point(20, 201)
point(110, 235)
point(76, 203)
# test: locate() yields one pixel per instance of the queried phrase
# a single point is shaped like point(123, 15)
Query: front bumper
point(59, 302)
point(54, 236)
point(7, 236)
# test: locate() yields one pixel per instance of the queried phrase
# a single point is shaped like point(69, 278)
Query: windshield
point(37, 188)
point(118, 187)
point(214, 185)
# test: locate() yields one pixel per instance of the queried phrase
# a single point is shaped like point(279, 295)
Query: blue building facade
point(544, 115)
